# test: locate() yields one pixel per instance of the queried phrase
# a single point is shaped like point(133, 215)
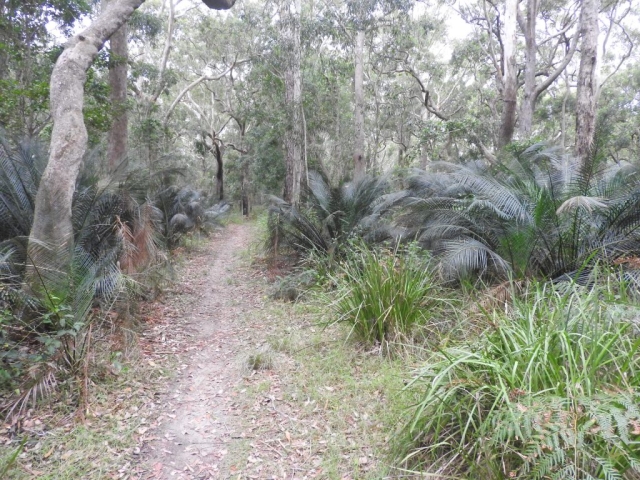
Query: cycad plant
point(551, 391)
point(112, 229)
point(330, 215)
point(541, 214)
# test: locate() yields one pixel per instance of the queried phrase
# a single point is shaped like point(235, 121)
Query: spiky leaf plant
point(541, 214)
point(184, 210)
point(20, 171)
point(551, 391)
point(330, 215)
point(112, 228)
point(384, 295)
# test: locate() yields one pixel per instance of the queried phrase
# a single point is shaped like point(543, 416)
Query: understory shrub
point(384, 294)
point(330, 216)
point(121, 225)
point(541, 214)
point(551, 391)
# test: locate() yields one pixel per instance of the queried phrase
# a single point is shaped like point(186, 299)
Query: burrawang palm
point(330, 215)
point(541, 214)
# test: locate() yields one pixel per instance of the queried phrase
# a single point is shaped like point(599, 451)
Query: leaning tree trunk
point(510, 74)
point(586, 96)
point(293, 96)
point(118, 66)
point(51, 239)
point(359, 162)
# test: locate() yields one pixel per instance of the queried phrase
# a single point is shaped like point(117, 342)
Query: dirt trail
point(200, 426)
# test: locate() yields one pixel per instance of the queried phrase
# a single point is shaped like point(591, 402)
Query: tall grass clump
point(551, 391)
point(384, 294)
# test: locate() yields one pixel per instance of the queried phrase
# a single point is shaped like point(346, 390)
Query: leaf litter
point(199, 412)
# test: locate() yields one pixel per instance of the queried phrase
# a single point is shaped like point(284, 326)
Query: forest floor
point(231, 384)
point(252, 398)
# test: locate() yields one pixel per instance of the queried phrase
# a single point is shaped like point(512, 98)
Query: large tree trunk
point(51, 239)
point(359, 161)
point(293, 98)
point(587, 87)
point(510, 78)
point(118, 66)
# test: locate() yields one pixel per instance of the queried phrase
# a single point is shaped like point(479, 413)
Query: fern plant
point(550, 391)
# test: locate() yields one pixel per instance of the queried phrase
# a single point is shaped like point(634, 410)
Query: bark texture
point(510, 74)
point(51, 239)
point(293, 97)
point(531, 50)
point(118, 67)
point(587, 87)
point(219, 172)
point(532, 90)
point(359, 161)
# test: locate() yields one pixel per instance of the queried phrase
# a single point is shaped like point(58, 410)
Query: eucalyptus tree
point(52, 226)
point(587, 82)
point(117, 140)
point(290, 24)
point(426, 93)
point(561, 34)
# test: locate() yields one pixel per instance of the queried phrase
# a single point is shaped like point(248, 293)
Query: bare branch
point(195, 83)
point(556, 73)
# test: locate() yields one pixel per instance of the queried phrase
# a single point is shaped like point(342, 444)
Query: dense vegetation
point(459, 180)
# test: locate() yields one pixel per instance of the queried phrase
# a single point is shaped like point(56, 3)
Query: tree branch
point(195, 83)
point(556, 73)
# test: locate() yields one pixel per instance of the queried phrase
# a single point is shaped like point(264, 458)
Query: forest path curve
point(201, 424)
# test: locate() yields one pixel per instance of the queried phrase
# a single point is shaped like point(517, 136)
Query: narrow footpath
point(201, 424)
point(262, 389)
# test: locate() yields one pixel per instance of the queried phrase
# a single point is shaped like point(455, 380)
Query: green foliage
point(550, 390)
point(330, 216)
point(46, 328)
point(383, 295)
point(540, 214)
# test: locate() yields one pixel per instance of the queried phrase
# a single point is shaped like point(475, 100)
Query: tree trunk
point(509, 74)
point(586, 96)
point(293, 98)
point(51, 239)
point(219, 172)
point(244, 185)
point(359, 162)
point(563, 123)
point(532, 90)
point(531, 50)
point(118, 66)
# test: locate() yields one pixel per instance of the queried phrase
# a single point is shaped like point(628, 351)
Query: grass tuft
point(384, 295)
point(551, 388)
point(260, 361)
